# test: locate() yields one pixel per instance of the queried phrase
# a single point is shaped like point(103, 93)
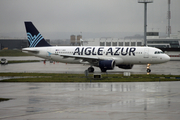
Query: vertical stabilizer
point(34, 37)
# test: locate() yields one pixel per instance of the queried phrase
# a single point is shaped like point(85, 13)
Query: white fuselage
point(81, 54)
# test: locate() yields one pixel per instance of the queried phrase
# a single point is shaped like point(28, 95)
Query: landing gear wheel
point(90, 69)
point(148, 70)
point(103, 70)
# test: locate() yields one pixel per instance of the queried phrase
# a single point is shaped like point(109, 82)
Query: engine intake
point(124, 66)
point(107, 64)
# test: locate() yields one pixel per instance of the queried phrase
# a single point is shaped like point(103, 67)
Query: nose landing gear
point(148, 69)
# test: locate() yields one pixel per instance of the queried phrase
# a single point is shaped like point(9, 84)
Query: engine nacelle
point(107, 64)
point(124, 66)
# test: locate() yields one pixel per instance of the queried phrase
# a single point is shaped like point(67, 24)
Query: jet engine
point(125, 66)
point(107, 64)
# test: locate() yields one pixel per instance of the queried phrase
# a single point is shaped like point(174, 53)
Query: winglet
point(34, 36)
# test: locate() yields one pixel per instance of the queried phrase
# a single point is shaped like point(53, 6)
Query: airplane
point(106, 58)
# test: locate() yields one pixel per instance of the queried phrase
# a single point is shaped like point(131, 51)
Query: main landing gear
point(148, 68)
point(103, 70)
point(91, 69)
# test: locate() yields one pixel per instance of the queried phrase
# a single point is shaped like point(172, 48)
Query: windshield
point(158, 52)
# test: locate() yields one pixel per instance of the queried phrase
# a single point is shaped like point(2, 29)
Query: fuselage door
point(146, 53)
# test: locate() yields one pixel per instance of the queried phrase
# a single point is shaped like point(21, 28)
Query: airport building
point(170, 45)
point(153, 40)
point(75, 41)
point(14, 43)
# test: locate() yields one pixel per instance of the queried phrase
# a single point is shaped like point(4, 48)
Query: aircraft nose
point(167, 58)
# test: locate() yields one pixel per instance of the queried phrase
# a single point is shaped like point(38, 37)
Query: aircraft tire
point(148, 70)
point(90, 69)
point(103, 70)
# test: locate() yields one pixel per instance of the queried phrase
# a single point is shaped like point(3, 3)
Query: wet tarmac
point(171, 67)
point(90, 101)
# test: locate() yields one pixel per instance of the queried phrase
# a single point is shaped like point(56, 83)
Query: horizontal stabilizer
point(30, 50)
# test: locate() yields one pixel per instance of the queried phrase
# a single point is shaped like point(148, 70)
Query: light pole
point(169, 17)
point(145, 17)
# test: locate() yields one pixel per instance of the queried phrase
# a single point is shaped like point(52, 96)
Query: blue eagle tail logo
point(34, 37)
point(49, 54)
point(34, 40)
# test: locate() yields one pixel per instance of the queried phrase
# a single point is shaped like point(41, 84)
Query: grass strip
point(4, 99)
point(54, 77)
point(23, 61)
point(13, 53)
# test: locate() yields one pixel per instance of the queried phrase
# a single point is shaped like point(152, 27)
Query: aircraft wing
point(90, 59)
point(79, 57)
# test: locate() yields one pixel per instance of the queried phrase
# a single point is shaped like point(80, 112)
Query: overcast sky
point(77, 16)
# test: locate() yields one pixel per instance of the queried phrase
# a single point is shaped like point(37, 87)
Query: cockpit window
point(158, 52)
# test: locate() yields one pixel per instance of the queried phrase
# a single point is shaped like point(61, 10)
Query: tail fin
point(34, 37)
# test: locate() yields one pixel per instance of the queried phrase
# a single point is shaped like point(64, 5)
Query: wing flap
point(78, 57)
point(91, 59)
